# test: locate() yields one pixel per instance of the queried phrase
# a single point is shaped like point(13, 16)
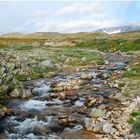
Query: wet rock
point(100, 99)
point(86, 76)
point(89, 123)
point(74, 129)
point(90, 101)
point(15, 93)
point(78, 103)
point(53, 95)
point(70, 121)
point(62, 96)
point(38, 130)
point(5, 111)
point(117, 96)
point(82, 110)
point(26, 93)
point(25, 114)
point(95, 113)
point(21, 93)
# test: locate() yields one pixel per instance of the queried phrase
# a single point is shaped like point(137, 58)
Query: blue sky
point(66, 16)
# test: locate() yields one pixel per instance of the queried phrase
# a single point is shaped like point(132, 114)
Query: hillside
point(82, 85)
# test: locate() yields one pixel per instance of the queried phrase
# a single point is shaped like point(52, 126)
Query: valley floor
point(68, 92)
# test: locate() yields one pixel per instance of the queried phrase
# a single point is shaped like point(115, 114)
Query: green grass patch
point(18, 48)
point(133, 72)
point(124, 45)
point(134, 114)
point(75, 56)
point(21, 77)
point(128, 74)
point(43, 69)
point(136, 127)
point(134, 120)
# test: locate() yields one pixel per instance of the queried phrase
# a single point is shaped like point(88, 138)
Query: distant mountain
point(12, 34)
point(120, 29)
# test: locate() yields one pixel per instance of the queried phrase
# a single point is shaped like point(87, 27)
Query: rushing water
point(37, 117)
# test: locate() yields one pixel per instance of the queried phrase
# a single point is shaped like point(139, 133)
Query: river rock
point(89, 123)
point(102, 106)
point(107, 127)
point(86, 76)
point(67, 85)
point(21, 93)
point(95, 113)
point(90, 101)
point(62, 96)
point(98, 127)
point(15, 93)
point(74, 129)
point(4, 111)
point(39, 130)
point(26, 93)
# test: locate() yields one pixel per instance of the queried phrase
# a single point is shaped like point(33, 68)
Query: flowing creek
point(61, 113)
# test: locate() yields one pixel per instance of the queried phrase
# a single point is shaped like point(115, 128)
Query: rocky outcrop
point(67, 85)
point(21, 93)
point(4, 112)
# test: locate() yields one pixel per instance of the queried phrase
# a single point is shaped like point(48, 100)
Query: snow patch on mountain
point(112, 32)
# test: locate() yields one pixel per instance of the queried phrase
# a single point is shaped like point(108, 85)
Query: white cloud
point(38, 13)
point(81, 7)
point(75, 17)
point(70, 26)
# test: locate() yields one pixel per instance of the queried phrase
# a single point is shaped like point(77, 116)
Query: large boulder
point(67, 85)
point(21, 93)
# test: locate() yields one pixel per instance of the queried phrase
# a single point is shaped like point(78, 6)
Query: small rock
point(102, 106)
point(97, 127)
point(53, 95)
point(21, 93)
point(89, 123)
point(105, 75)
point(48, 63)
point(97, 113)
point(90, 102)
point(107, 127)
point(86, 76)
point(26, 93)
point(62, 96)
point(15, 93)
